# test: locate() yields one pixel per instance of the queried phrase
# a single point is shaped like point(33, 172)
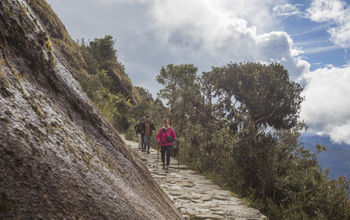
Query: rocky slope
point(58, 157)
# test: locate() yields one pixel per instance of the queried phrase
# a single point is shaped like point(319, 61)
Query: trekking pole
point(157, 152)
point(178, 157)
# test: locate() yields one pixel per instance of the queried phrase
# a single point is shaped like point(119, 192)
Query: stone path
point(195, 196)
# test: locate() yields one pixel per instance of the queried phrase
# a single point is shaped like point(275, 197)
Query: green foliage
point(100, 55)
point(130, 133)
point(102, 88)
point(106, 83)
point(181, 91)
point(104, 52)
point(271, 99)
point(95, 65)
point(113, 106)
point(238, 124)
point(111, 90)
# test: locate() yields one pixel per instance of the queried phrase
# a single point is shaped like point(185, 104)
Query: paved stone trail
point(193, 194)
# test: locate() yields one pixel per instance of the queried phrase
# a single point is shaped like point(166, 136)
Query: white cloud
point(287, 10)
point(334, 11)
point(326, 10)
point(224, 31)
point(327, 105)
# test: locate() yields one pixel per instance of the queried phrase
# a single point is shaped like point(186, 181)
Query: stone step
point(195, 196)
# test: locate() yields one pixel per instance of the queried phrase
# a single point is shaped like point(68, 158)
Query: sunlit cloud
point(326, 109)
point(213, 30)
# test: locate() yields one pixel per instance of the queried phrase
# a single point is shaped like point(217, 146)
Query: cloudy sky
point(310, 38)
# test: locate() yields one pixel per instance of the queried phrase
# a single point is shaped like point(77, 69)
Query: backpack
point(167, 139)
point(139, 128)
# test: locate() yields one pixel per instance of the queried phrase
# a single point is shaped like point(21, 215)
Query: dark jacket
point(144, 127)
point(138, 128)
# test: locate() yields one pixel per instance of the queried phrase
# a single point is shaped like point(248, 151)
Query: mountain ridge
point(335, 157)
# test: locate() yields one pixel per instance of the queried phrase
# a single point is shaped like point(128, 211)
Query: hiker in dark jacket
point(139, 133)
point(166, 138)
point(147, 128)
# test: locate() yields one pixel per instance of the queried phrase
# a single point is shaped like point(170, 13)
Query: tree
point(104, 51)
point(266, 92)
point(100, 56)
point(182, 91)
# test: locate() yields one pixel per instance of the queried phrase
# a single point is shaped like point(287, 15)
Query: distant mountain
point(336, 158)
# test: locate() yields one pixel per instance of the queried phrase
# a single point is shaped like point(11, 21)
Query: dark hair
point(166, 119)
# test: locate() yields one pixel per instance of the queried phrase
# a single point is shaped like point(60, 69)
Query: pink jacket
point(169, 133)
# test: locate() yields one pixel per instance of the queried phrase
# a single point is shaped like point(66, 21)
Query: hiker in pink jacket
point(166, 138)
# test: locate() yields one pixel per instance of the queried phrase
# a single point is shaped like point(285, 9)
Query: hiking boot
point(163, 166)
point(147, 152)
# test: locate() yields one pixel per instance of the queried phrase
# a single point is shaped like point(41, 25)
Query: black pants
point(166, 149)
point(142, 141)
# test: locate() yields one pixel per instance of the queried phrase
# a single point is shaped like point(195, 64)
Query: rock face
point(58, 157)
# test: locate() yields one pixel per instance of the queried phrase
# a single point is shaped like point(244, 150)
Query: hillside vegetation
point(95, 66)
point(238, 124)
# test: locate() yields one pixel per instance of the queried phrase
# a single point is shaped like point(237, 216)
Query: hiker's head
point(148, 118)
point(166, 121)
